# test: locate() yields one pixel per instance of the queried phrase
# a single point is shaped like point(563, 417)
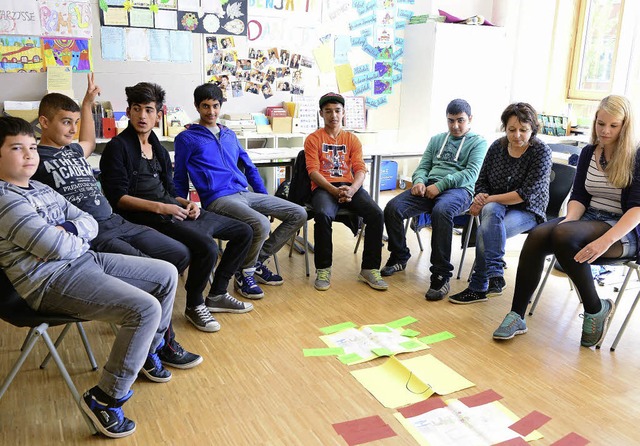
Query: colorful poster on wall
point(66, 18)
point(19, 17)
point(73, 53)
point(21, 54)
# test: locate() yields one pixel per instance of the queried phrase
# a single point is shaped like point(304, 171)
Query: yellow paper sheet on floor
point(398, 383)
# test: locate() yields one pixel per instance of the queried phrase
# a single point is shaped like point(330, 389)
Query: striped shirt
point(32, 249)
point(604, 196)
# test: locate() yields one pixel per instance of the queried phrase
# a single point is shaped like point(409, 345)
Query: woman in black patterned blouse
point(512, 193)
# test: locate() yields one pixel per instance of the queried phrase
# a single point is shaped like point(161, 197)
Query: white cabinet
point(445, 61)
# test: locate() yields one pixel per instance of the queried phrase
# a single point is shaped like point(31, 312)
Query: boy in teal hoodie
point(443, 186)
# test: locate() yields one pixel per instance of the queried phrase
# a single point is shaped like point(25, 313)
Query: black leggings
point(564, 241)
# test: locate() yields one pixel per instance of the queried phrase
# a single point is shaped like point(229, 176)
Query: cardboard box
point(281, 124)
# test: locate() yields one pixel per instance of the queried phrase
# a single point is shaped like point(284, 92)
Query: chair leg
point(275, 262)
point(360, 235)
point(59, 339)
point(67, 378)
point(26, 348)
point(32, 338)
point(85, 342)
point(541, 287)
point(305, 236)
point(624, 324)
point(627, 277)
point(466, 245)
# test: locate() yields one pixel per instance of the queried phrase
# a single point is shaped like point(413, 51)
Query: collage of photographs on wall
point(259, 72)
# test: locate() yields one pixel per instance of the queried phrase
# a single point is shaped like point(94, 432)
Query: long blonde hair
point(621, 166)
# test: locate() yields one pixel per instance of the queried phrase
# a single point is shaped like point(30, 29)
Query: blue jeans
point(136, 293)
point(443, 209)
point(498, 222)
point(254, 209)
point(326, 207)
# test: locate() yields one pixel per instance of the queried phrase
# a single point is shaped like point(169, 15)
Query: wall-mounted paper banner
point(20, 17)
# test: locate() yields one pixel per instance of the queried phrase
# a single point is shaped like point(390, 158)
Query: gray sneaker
point(438, 289)
point(512, 325)
point(225, 303)
point(323, 279)
point(594, 326)
point(373, 278)
point(201, 318)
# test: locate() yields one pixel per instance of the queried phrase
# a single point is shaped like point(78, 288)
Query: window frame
point(574, 93)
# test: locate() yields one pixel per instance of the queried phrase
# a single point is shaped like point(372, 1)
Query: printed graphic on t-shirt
point(333, 160)
point(449, 152)
point(71, 175)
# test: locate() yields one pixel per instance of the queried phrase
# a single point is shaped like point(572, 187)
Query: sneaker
point(175, 356)
point(496, 286)
point(594, 326)
point(154, 370)
point(391, 268)
point(373, 278)
point(438, 289)
point(201, 318)
point(468, 296)
point(245, 284)
point(108, 418)
point(266, 276)
point(323, 279)
point(512, 325)
point(225, 303)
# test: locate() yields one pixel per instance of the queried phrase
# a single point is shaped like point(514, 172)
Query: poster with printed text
point(66, 18)
point(19, 17)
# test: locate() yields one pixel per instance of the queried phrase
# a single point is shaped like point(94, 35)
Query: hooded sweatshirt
point(450, 162)
point(214, 166)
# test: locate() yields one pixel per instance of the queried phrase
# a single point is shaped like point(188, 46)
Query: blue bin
point(388, 175)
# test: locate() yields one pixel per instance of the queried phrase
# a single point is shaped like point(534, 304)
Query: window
point(595, 49)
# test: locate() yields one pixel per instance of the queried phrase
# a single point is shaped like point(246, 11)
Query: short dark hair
point(525, 113)
point(12, 126)
point(52, 102)
point(458, 106)
point(145, 93)
point(207, 91)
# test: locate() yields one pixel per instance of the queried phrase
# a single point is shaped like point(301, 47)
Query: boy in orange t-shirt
point(337, 170)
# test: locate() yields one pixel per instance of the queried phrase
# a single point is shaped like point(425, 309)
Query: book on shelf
point(237, 116)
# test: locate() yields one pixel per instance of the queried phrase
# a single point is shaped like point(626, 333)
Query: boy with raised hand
point(138, 181)
point(443, 185)
point(337, 171)
point(63, 166)
point(44, 251)
point(210, 155)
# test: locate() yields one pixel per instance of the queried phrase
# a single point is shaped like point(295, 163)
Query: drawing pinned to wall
point(230, 20)
point(115, 49)
point(73, 53)
point(20, 18)
point(21, 54)
point(66, 18)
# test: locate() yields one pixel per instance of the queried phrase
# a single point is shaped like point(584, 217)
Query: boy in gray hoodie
point(443, 186)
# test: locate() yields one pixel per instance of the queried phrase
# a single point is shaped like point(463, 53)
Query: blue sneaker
point(512, 325)
point(245, 284)
point(594, 326)
point(266, 276)
point(107, 417)
point(154, 370)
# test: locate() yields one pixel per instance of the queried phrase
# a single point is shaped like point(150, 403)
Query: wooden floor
point(256, 388)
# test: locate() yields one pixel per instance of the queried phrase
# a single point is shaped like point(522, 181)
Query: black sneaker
point(175, 356)
point(468, 296)
point(391, 268)
point(107, 417)
point(496, 286)
point(154, 370)
point(438, 289)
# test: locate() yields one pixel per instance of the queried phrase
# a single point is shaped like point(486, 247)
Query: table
point(379, 153)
